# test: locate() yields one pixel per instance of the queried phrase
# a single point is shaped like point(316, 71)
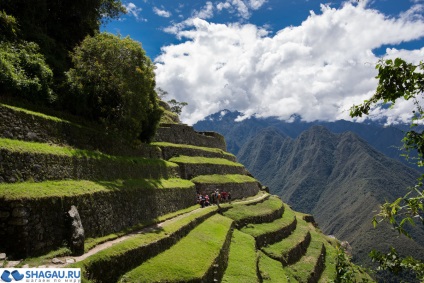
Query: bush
point(113, 82)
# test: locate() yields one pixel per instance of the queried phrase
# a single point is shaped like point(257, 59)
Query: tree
point(400, 80)
point(23, 70)
point(176, 106)
point(113, 82)
point(58, 26)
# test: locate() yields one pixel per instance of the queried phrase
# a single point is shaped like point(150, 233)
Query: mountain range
point(340, 172)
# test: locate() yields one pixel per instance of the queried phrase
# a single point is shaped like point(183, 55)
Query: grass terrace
point(265, 228)
point(44, 116)
point(204, 160)
point(223, 179)
point(242, 260)
point(305, 267)
point(124, 252)
point(242, 212)
point(271, 270)
point(189, 259)
point(281, 249)
point(209, 149)
point(26, 190)
point(329, 273)
point(43, 148)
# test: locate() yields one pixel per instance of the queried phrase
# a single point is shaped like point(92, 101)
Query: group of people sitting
point(215, 197)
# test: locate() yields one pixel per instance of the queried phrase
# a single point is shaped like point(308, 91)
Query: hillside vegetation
point(149, 229)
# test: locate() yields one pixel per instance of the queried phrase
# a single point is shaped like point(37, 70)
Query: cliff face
point(48, 165)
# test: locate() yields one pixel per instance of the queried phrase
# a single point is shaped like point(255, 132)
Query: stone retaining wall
point(260, 218)
point(183, 134)
point(237, 190)
point(15, 124)
point(32, 226)
point(275, 236)
point(23, 166)
point(319, 266)
point(190, 170)
point(171, 151)
point(296, 253)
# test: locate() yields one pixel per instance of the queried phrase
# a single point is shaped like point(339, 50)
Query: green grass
point(223, 179)
point(280, 249)
point(264, 228)
point(44, 148)
point(204, 160)
point(73, 188)
point(209, 149)
point(245, 211)
point(44, 116)
point(329, 273)
point(168, 117)
point(45, 259)
point(187, 260)
point(146, 238)
point(242, 260)
point(272, 270)
point(306, 265)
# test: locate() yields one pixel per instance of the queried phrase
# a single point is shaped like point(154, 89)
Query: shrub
point(113, 82)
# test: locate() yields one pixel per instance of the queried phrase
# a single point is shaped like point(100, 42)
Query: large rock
point(77, 236)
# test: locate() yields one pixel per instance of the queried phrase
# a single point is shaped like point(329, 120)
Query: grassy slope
point(43, 148)
point(245, 211)
point(189, 259)
point(263, 228)
point(279, 249)
point(272, 271)
point(242, 260)
point(73, 188)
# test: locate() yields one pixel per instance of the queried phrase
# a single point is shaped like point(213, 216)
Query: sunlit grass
point(242, 260)
point(65, 188)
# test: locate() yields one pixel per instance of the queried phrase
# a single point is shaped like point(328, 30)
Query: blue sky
point(274, 57)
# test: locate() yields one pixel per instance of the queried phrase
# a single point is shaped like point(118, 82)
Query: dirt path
point(71, 259)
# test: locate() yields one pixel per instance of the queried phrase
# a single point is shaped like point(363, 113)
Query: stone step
point(192, 166)
point(242, 261)
point(170, 150)
point(290, 249)
point(23, 161)
point(201, 256)
point(270, 233)
point(32, 214)
point(21, 124)
point(239, 186)
point(109, 264)
point(266, 211)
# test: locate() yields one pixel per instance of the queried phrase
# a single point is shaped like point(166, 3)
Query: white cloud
point(317, 70)
point(256, 4)
point(205, 13)
point(161, 13)
point(133, 10)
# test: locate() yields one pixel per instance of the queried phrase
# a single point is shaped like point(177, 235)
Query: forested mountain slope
point(338, 178)
point(387, 140)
